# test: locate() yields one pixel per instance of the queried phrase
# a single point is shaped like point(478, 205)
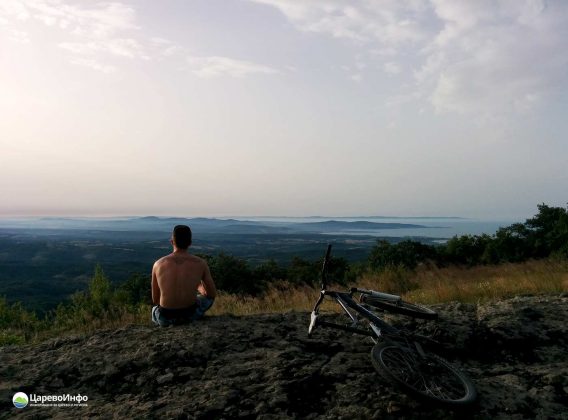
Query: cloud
point(93, 64)
point(93, 29)
point(15, 9)
point(100, 32)
point(477, 58)
point(390, 21)
point(20, 37)
point(496, 59)
point(215, 66)
point(95, 20)
point(166, 47)
point(391, 68)
point(120, 47)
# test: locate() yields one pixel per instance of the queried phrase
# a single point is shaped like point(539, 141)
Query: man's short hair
point(182, 236)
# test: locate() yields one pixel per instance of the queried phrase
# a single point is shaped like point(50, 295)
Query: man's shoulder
point(167, 259)
point(162, 260)
point(198, 260)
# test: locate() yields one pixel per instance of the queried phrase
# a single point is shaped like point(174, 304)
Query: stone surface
point(265, 366)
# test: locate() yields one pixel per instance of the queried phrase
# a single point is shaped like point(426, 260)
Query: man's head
point(181, 237)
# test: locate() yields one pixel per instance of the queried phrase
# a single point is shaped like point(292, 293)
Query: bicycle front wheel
point(400, 307)
point(426, 376)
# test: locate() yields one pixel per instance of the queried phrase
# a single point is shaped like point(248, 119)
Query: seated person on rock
point(182, 286)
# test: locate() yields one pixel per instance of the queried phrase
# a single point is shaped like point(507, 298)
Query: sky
point(283, 107)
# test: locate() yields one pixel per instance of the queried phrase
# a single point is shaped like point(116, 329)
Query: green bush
point(407, 254)
point(233, 275)
point(467, 249)
point(137, 289)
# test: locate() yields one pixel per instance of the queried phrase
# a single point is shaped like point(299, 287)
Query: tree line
point(544, 235)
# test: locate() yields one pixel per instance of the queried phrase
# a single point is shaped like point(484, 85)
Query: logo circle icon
point(20, 399)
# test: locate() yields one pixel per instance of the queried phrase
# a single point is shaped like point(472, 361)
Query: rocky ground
point(266, 367)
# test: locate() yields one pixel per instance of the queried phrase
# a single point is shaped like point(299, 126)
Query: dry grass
point(277, 299)
point(427, 285)
point(482, 283)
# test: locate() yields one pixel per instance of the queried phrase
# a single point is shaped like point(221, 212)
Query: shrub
point(233, 275)
point(137, 289)
point(406, 254)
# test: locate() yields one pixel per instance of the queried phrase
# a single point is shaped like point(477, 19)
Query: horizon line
point(246, 217)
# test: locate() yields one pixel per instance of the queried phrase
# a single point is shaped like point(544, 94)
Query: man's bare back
point(176, 279)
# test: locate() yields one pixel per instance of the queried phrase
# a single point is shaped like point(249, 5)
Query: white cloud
point(391, 68)
point(498, 59)
point(94, 29)
point(390, 21)
point(93, 64)
point(120, 47)
point(479, 57)
point(20, 37)
point(98, 20)
point(214, 66)
point(46, 19)
point(166, 47)
point(14, 8)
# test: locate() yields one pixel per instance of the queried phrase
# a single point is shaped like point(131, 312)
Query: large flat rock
point(265, 366)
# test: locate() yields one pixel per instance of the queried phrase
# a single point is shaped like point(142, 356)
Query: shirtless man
point(182, 286)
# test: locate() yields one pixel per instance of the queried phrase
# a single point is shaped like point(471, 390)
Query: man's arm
point(155, 287)
point(207, 286)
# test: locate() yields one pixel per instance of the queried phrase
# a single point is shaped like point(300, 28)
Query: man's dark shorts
point(165, 317)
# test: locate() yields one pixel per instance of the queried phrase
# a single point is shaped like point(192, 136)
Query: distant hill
point(203, 225)
point(337, 224)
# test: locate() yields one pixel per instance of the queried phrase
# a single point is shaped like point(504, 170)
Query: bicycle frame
point(346, 301)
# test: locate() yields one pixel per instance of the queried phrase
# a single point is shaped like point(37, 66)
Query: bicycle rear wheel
point(400, 307)
point(427, 376)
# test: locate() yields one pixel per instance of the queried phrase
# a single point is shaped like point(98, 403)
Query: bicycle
point(399, 356)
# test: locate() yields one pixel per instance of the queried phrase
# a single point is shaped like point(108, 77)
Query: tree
point(404, 254)
point(511, 244)
point(137, 289)
point(548, 231)
point(302, 271)
point(100, 291)
point(233, 275)
point(269, 271)
point(467, 249)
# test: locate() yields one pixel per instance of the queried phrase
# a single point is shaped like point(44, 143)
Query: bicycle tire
point(428, 377)
point(400, 307)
